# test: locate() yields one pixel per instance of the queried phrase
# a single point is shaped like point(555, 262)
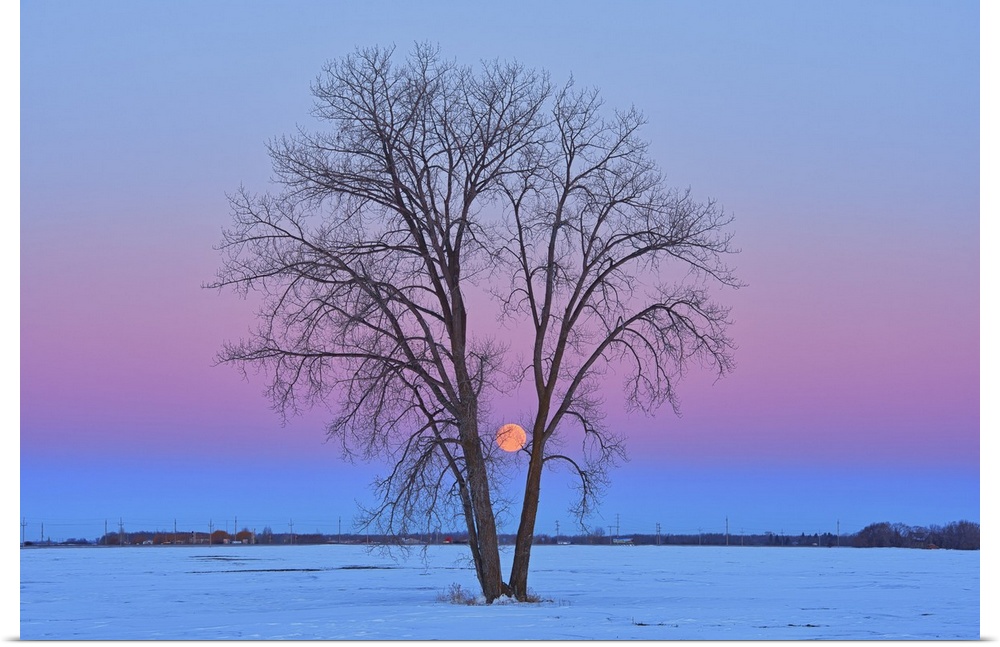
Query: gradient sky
point(843, 136)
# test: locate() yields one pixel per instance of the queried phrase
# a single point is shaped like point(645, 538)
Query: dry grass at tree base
point(458, 595)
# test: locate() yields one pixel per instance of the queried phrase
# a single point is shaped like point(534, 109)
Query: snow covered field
point(591, 592)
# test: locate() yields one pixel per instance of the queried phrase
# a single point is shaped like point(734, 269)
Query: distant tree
point(961, 535)
point(876, 535)
point(884, 535)
point(434, 181)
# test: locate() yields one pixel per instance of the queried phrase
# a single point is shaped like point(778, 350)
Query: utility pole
point(838, 533)
point(657, 533)
point(618, 525)
point(23, 524)
point(291, 535)
point(235, 530)
point(41, 538)
point(121, 532)
point(557, 530)
point(339, 538)
point(210, 532)
point(727, 530)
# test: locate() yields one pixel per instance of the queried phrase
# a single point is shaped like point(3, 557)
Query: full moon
point(511, 437)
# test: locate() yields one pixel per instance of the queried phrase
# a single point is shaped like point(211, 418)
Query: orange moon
point(511, 437)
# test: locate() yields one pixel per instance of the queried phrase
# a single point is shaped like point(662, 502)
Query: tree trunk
point(486, 549)
point(526, 529)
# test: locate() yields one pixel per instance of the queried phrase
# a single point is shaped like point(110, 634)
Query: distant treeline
point(959, 535)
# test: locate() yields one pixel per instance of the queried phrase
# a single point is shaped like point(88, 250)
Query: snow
point(346, 592)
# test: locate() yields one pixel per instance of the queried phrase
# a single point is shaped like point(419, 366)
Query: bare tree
point(610, 267)
point(431, 176)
